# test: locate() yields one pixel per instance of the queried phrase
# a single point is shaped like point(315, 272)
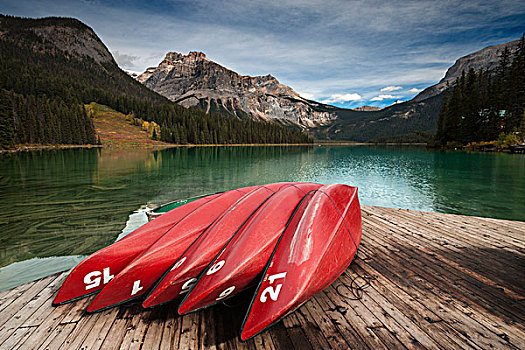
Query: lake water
point(60, 205)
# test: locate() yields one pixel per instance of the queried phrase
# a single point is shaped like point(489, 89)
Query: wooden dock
point(439, 281)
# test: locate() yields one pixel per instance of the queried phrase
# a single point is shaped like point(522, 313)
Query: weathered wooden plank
point(189, 331)
point(80, 332)
point(22, 299)
point(264, 341)
point(394, 301)
point(57, 336)
point(115, 335)
point(311, 328)
point(486, 269)
point(11, 295)
point(388, 314)
point(18, 336)
point(207, 337)
point(136, 329)
point(428, 294)
point(48, 321)
point(325, 310)
point(473, 285)
point(171, 335)
point(18, 316)
point(469, 234)
point(153, 336)
point(393, 268)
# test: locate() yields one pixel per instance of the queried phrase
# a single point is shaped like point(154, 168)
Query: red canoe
point(99, 268)
point(244, 257)
point(186, 271)
point(143, 272)
point(314, 251)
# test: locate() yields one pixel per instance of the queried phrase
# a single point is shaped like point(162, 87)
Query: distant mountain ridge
point(487, 59)
point(194, 81)
point(412, 119)
point(366, 108)
point(64, 59)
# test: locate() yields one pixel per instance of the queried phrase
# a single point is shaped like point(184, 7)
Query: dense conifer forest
point(43, 88)
point(486, 107)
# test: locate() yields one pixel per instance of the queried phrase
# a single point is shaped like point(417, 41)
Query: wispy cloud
point(307, 95)
point(125, 61)
point(342, 98)
point(384, 97)
point(413, 90)
point(391, 88)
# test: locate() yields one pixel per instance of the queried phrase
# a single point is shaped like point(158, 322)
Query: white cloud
point(307, 95)
point(391, 88)
point(414, 90)
point(340, 98)
point(124, 60)
point(384, 97)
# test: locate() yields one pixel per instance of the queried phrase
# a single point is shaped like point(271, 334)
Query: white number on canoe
point(187, 285)
point(216, 267)
point(178, 264)
point(270, 291)
point(226, 292)
point(136, 287)
point(92, 279)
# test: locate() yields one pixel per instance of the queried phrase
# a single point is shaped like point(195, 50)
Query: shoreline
point(25, 148)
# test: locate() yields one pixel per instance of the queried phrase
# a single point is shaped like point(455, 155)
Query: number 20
point(271, 291)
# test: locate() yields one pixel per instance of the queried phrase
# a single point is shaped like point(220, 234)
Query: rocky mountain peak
point(194, 81)
point(172, 57)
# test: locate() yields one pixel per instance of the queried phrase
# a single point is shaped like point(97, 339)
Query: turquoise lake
point(61, 205)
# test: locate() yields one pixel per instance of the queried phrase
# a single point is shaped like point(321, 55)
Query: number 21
point(271, 291)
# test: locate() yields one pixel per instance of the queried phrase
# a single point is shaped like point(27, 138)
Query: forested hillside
point(484, 106)
point(41, 82)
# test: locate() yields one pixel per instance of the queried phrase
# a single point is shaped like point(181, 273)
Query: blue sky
point(347, 53)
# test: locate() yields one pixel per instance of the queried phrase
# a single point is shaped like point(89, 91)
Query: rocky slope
point(55, 34)
point(487, 58)
point(194, 81)
point(366, 108)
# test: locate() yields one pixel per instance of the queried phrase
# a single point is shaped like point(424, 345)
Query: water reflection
point(73, 202)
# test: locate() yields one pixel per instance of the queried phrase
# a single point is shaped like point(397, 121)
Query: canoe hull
point(139, 276)
point(178, 280)
point(314, 251)
point(95, 271)
point(143, 271)
point(244, 257)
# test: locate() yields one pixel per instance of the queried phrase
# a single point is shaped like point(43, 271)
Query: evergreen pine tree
point(6, 121)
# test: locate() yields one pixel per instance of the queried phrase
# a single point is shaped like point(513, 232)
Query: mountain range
point(195, 81)
point(86, 70)
point(52, 66)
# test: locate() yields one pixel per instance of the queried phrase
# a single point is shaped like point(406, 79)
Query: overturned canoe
point(95, 271)
point(143, 272)
point(244, 257)
point(317, 246)
point(198, 256)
